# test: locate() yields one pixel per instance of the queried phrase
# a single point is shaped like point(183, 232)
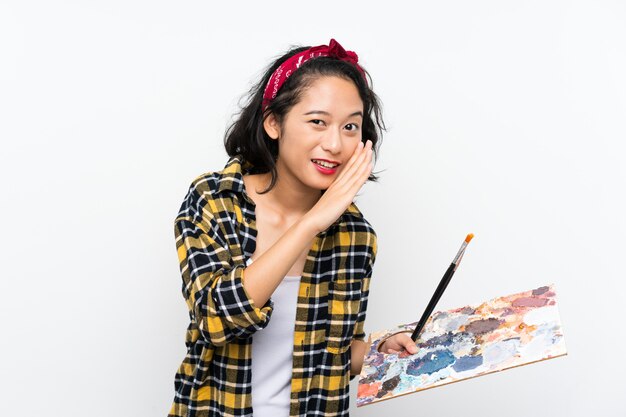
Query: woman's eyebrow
point(356, 113)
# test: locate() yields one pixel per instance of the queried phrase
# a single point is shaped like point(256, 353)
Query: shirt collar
point(231, 179)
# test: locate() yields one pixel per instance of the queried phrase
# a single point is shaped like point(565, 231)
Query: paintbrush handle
point(445, 280)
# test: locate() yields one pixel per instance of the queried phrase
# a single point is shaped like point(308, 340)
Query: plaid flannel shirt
point(215, 235)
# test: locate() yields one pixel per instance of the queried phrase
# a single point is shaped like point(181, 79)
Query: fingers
point(367, 164)
point(404, 354)
point(366, 155)
point(407, 343)
point(346, 169)
point(400, 343)
point(356, 162)
point(360, 152)
point(341, 192)
point(360, 168)
point(364, 169)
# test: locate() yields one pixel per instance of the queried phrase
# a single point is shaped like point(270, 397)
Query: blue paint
point(453, 323)
point(378, 358)
point(381, 371)
point(431, 363)
point(466, 363)
point(496, 353)
point(443, 340)
point(388, 386)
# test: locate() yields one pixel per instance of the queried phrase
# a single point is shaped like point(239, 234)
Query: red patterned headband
point(284, 71)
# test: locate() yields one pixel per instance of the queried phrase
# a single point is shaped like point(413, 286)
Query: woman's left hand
point(397, 343)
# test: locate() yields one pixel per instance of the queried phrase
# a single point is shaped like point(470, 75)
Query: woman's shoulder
point(212, 191)
point(362, 230)
point(229, 178)
point(355, 218)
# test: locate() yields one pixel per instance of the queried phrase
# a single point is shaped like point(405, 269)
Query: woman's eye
point(317, 122)
point(352, 126)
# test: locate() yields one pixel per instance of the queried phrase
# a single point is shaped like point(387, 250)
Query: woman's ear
point(271, 126)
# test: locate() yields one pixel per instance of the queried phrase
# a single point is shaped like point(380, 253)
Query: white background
point(506, 119)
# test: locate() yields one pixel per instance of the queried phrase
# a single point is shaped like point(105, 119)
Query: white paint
point(541, 315)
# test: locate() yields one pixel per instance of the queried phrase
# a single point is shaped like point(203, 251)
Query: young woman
point(275, 257)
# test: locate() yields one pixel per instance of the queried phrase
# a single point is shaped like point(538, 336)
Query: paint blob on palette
point(465, 343)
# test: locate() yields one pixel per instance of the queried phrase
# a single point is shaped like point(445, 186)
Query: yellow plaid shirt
point(215, 235)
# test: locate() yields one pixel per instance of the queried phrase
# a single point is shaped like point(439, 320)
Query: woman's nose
point(332, 141)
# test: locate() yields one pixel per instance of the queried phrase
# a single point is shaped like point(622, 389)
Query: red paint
point(529, 302)
point(366, 390)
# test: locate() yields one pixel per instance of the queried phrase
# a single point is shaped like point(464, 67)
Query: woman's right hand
point(339, 195)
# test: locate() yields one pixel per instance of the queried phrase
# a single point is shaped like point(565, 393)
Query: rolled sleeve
point(212, 284)
point(232, 302)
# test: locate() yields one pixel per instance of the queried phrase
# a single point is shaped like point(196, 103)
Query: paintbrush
point(441, 288)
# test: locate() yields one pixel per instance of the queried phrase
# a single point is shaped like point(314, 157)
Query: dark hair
point(246, 136)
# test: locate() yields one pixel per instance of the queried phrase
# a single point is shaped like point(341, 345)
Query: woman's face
point(325, 124)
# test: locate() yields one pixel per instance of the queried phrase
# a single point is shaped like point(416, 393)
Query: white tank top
point(272, 353)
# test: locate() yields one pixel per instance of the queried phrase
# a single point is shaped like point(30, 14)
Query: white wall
point(506, 120)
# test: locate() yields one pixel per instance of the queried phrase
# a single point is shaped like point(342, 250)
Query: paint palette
point(464, 343)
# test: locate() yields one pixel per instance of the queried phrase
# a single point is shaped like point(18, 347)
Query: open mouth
point(325, 164)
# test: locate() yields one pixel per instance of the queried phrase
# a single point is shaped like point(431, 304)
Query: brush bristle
point(469, 237)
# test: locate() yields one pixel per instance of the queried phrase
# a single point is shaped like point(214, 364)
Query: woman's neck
point(286, 200)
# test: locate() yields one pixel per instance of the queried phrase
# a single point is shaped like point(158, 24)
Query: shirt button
point(246, 219)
